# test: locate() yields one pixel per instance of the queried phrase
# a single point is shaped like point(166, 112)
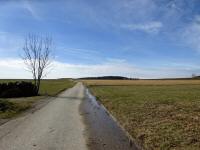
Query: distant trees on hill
point(109, 78)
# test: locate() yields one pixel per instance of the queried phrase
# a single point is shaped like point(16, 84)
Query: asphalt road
point(71, 121)
point(56, 126)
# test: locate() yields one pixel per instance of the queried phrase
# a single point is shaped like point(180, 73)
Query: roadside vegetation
point(159, 114)
point(13, 106)
point(17, 89)
point(10, 107)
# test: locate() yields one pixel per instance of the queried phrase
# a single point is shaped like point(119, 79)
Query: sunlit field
point(141, 82)
point(159, 114)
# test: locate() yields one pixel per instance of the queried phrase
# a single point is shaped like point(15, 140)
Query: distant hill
point(108, 78)
point(196, 77)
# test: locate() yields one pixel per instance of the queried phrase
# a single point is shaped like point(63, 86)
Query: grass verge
point(158, 116)
point(14, 106)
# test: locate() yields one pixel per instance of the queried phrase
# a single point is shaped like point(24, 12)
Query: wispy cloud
point(9, 43)
point(149, 27)
point(29, 7)
point(80, 50)
point(80, 53)
point(116, 60)
point(191, 34)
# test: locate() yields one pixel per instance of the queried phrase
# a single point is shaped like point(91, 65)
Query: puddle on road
point(102, 131)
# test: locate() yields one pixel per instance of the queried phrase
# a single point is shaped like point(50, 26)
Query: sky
point(133, 38)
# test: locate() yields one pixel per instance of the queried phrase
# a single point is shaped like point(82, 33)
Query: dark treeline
point(17, 89)
point(109, 78)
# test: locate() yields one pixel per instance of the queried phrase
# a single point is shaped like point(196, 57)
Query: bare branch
point(37, 56)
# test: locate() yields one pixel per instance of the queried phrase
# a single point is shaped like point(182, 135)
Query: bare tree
point(37, 56)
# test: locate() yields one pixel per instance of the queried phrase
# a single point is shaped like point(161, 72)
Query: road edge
point(132, 141)
point(37, 105)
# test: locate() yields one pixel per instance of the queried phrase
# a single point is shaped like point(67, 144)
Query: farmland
point(142, 82)
point(159, 114)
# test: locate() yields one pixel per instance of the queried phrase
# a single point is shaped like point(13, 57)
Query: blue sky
point(134, 38)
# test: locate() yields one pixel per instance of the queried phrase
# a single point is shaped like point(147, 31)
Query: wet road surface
point(102, 131)
point(73, 120)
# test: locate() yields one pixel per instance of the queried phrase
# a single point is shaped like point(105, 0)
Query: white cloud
point(149, 27)
point(15, 68)
point(11, 63)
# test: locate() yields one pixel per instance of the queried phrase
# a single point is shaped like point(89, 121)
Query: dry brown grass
point(159, 114)
point(141, 82)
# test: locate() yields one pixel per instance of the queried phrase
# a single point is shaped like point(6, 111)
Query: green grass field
point(53, 87)
point(14, 106)
point(159, 116)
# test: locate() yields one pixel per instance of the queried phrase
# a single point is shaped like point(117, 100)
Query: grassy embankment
point(12, 106)
point(159, 114)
